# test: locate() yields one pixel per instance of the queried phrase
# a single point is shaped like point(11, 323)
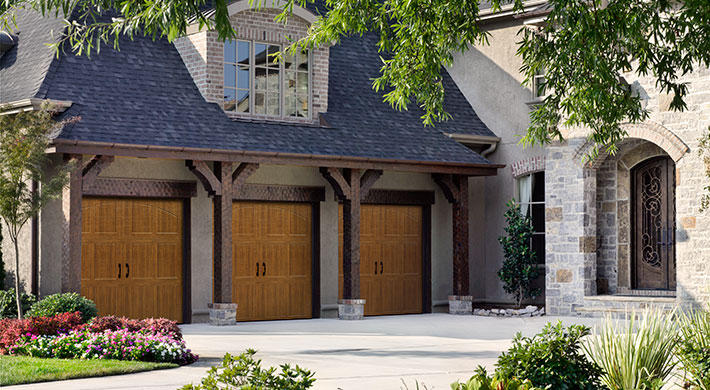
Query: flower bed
point(119, 344)
point(66, 336)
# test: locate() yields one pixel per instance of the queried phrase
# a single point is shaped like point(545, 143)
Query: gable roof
point(144, 95)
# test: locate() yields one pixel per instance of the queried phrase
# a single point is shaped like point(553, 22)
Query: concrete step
point(619, 306)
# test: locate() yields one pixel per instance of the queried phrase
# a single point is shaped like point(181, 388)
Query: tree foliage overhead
point(586, 47)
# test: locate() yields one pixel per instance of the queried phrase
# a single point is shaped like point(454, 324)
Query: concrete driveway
point(377, 353)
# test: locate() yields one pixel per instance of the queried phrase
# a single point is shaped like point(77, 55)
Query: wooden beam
point(204, 174)
point(236, 156)
point(367, 180)
point(71, 238)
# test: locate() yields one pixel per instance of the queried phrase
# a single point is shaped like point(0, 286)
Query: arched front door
point(653, 224)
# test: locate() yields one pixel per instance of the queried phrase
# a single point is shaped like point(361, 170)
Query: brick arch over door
point(649, 131)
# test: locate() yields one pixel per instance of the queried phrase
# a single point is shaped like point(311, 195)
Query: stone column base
point(461, 304)
point(223, 314)
point(351, 309)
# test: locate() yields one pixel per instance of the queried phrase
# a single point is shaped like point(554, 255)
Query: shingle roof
point(24, 67)
point(144, 95)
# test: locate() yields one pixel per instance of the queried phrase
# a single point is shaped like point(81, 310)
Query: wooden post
point(221, 183)
point(80, 176)
point(350, 188)
point(455, 189)
point(71, 240)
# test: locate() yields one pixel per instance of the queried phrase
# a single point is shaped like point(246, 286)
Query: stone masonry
point(588, 205)
point(203, 54)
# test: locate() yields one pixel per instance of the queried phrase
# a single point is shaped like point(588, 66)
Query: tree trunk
point(17, 279)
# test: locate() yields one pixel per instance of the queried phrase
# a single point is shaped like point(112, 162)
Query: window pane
point(230, 99)
point(288, 61)
point(260, 54)
point(303, 61)
point(272, 104)
point(230, 51)
point(538, 187)
point(243, 102)
point(272, 83)
point(243, 78)
point(289, 103)
point(303, 106)
point(290, 81)
point(302, 82)
point(538, 246)
point(260, 78)
point(243, 54)
point(259, 103)
point(273, 50)
point(538, 217)
point(230, 73)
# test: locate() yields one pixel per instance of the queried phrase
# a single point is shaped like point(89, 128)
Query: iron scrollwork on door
point(651, 218)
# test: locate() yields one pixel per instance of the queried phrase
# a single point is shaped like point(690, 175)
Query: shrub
point(64, 303)
point(121, 345)
point(8, 305)
point(245, 372)
point(481, 381)
point(693, 349)
point(635, 354)
point(156, 326)
point(552, 357)
point(11, 330)
point(519, 269)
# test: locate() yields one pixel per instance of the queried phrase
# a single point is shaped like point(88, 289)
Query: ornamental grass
point(635, 354)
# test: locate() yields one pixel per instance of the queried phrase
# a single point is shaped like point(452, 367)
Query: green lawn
point(15, 370)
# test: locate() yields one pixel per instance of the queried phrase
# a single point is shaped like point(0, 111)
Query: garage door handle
point(375, 267)
point(128, 270)
point(263, 270)
point(257, 268)
point(382, 268)
point(119, 270)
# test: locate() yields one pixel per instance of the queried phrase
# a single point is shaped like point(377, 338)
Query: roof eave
point(33, 104)
point(209, 154)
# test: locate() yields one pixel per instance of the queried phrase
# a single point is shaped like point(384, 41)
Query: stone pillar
point(461, 304)
point(71, 239)
point(570, 229)
point(351, 309)
point(223, 313)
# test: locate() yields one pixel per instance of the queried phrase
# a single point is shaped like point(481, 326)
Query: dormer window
point(539, 89)
point(255, 84)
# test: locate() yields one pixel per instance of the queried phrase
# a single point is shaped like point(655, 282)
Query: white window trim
point(282, 84)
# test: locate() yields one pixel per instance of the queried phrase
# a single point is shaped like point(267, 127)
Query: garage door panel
point(390, 259)
point(168, 261)
point(128, 232)
point(142, 221)
point(281, 234)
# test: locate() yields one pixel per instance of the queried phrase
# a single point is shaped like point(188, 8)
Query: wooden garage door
point(390, 259)
point(271, 260)
point(131, 256)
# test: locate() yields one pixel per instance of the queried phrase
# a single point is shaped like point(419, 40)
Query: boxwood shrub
point(64, 303)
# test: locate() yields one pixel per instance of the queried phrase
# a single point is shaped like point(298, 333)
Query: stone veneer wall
point(203, 54)
point(572, 202)
point(570, 229)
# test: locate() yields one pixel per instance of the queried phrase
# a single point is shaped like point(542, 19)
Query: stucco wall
point(490, 80)
point(201, 230)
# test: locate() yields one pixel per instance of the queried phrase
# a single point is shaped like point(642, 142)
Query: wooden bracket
point(341, 181)
point(206, 176)
point(242, 173)
point(367, 180)
point(93, 168)
point(449, 185)
point(338, 182)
